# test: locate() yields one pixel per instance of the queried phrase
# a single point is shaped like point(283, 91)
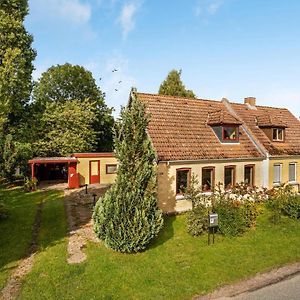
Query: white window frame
point(277, 139)
point(295, 175)
point(280, 174)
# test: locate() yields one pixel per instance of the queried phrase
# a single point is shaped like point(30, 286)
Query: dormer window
point(225, 126)
point(229, 133)
point(278, 134)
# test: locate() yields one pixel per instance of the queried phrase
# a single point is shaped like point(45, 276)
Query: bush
point(231, 217)
point(30, 185)
point(250, 212)
point(292, 207)
point(279, 197)
point(197, 220)
point(3, 211)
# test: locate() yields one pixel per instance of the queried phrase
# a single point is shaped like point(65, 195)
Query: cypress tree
point(126, 218)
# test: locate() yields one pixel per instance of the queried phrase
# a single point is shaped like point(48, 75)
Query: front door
point(94, 171)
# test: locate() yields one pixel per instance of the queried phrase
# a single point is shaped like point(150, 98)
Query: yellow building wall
point(166, 180)
point(284, 170)
point(83, 168)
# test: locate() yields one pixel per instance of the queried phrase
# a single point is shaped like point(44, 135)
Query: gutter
point(211, 160)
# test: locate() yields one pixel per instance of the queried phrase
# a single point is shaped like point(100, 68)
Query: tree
point(64, 83)
point(15, 154)
point(66, 127)
point(126, 218)
point(173, 86)
point(16, 57)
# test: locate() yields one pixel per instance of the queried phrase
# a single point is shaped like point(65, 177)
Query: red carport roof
point(52, 160)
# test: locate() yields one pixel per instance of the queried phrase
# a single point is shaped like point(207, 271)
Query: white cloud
point(73, 11)
point(127, 17)
point(208, 7)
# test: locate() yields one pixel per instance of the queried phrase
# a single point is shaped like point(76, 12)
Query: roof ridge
point(175, 97)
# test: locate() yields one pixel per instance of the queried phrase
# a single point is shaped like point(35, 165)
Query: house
point(220, 142)
point(277, 133)
point(77, 170)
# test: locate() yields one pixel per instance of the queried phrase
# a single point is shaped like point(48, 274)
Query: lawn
point(176, 266)
point(16, 230)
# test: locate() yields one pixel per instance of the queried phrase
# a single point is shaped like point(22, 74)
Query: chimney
point(250, 101)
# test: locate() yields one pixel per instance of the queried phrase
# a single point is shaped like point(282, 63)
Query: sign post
point(213, 220)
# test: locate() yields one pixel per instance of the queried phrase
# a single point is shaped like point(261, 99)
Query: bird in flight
point(114, 70)
point(120, 81)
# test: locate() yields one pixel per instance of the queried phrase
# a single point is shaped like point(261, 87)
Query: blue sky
point(225, 48)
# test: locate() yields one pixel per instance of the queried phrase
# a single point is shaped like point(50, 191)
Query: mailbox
point(213, 220)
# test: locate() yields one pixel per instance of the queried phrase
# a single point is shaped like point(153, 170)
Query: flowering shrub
point(237, 208)
point(282, 199)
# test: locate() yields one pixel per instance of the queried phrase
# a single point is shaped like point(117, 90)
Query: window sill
point(293, 183)
point(179, 197)
point(275, 184)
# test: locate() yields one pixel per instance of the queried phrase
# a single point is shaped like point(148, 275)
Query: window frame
point(188, 179)
point(236, 139)
point(110, 165)
point(233, 180)
point(295, 174)
point(276, 130)
point(280, 173)
point(253, 174)
point(212, 169)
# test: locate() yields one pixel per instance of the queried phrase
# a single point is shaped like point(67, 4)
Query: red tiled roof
point(270, 121)
point(222, 116)
point(179, 131)
point(280, 117)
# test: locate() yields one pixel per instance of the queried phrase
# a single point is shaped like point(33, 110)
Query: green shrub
point(231, 218)
point(3, 211)
point(30, 185)
point(292, 207)
point(250, 211)
point(197, 220)
point(278, 199)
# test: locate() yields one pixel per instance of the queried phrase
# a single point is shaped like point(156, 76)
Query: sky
point(225, 48)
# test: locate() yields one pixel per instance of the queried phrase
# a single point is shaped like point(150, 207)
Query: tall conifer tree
point(126, 218)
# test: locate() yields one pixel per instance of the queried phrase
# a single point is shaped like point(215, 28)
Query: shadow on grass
point(166, 233)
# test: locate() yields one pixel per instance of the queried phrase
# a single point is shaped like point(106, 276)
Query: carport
point(55, 168)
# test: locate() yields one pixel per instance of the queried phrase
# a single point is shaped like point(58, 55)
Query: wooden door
point(94, 171)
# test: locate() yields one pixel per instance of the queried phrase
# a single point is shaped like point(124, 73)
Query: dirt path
point(13, 285)
point(79, 207)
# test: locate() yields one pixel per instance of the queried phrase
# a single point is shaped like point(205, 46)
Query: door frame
point(90, 171)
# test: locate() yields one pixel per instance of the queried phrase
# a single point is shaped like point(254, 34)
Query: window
point(249, 175)
point(292, 172)
point(278, 134)
point(208, 174)
point(229, 133)
point(182, 180)
point(277, 173)
point(229, 177)
point(111, 169)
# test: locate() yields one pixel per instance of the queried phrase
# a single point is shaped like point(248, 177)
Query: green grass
point(176, 266)
point(16, 230)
